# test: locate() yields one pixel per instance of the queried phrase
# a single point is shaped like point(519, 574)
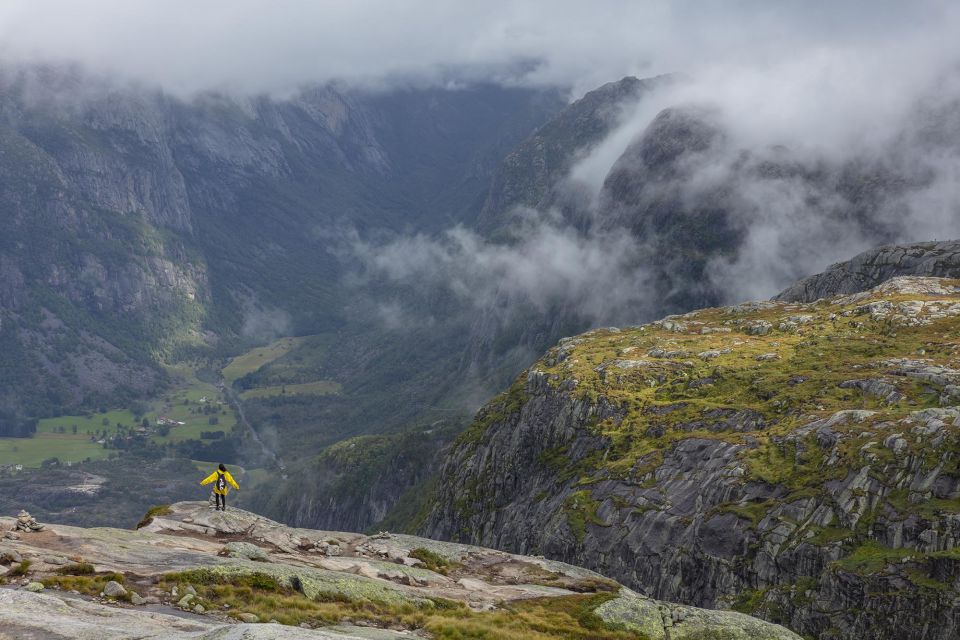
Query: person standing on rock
point(221, 479)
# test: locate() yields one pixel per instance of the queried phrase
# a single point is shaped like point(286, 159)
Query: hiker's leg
point(224, 498)
point(218, 501)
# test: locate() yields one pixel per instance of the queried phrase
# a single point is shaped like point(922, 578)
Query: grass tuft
point(153, 512)
point(21, 569)
point(434, 561)
point(77, 569)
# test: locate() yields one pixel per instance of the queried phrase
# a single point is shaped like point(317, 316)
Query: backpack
point(221, 482)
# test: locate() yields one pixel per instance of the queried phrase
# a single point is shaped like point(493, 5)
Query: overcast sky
point(275, 45)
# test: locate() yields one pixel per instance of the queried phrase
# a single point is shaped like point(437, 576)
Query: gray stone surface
point(871, 268)
point(682, 529)
point(51, 616)
point(369, 567)
point(245, 550)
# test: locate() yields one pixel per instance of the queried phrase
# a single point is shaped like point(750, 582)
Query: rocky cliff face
point(191, 572)
point(531, 175)
point(870, 268)
point(355, 483)
point(137, 225)
point(794, 460)
point(714, 217)
point(535, 176)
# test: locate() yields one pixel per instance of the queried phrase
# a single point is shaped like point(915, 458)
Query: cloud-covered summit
point(274, 46)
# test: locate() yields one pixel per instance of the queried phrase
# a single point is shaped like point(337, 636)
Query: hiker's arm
point(233, 482)
point(210, 478)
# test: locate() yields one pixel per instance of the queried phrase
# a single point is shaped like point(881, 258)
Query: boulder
point(114, 589)
point(11, 555)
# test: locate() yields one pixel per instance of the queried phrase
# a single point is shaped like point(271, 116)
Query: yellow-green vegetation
point(749, 601)
point(581, 509)
point(285, 367)
point(318, 388)
point(496, 411)
point(86, 424)
point(90, 585)
point(256, 358)
point(756, 375)
point(21, 569)
point(871, 557)
point(193, 403)
point(685, 376)
point(77, 569)
point(752, 511)
point(568, 617)
point(434, 561)
point(153, 512)
point(830, 535)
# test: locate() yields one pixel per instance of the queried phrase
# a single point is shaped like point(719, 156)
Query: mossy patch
point(76, 569)
point(153, 512)
point(709, 375)
point(434, 561)
point(581, 510)
point(567, 617)
point(90, 585)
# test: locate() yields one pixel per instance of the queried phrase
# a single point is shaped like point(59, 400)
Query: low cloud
point(264, 324)
point(548, 265)
point(269, 46)
point(865, 138)
point(824, 84)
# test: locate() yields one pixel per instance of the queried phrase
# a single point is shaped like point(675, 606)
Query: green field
point(87, 424)
point(318, 388)
point(256, 358)
point(67, 446)
point(30, 452)
point(186, 402)
point(182, 404)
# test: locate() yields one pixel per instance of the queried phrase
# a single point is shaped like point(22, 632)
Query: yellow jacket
point(230, 481)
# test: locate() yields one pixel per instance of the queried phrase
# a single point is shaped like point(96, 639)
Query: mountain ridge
point(937, 259)
point(781, 458)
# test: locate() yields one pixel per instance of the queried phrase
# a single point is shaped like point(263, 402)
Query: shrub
point(434, 561)
point(159, 510)
point(77, 569)
point(21, 569)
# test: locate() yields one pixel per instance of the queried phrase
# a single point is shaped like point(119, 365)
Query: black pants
point(222, 499)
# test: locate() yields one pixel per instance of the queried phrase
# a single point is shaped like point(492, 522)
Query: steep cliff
point(797, 461)
point(355, 483)
point(531, 175)
point(138, 226)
